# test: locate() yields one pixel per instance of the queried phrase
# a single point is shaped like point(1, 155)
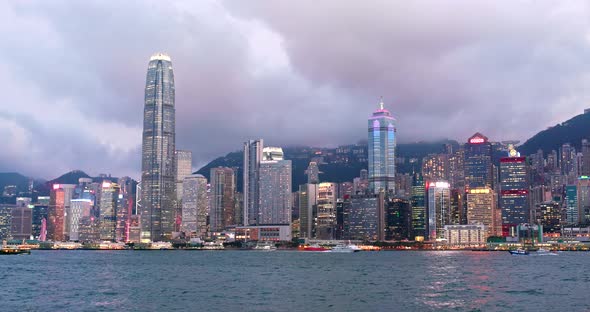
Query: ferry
point(519, 252)
point(314, 247)
point(13, 250)
point(265, 246)
point(345, 248)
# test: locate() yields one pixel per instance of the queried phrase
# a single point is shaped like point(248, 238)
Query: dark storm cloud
point(304, 72)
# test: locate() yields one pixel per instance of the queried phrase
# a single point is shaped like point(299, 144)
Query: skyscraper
point(418, 204)
point(223, 186)
point(158, 176)
point(274, 187)
point(482, 209)
point(184, 168)
point(514, 191)
point(194, 205)
point(326, 210)
point(59, 208)
point(108, 210)
point(477, 163)
point(381, 151)
point(439, 206)
point(252, 158)
point(308, 197)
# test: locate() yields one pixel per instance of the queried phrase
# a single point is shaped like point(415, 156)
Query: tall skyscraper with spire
point(381, 141)
point(158, 168)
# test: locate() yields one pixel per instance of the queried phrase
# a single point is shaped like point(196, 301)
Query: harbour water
point(293, 281)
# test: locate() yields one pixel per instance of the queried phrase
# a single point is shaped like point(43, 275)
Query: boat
point(519, 252)
point(265, 246)
point(545, 252)
point(345, 248)
point(314, 247)
point(13, 250)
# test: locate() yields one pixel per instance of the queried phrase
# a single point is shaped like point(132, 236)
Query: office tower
point(274, 187)
point(22, 219)
point(194, 205)
point(583, 199)
point(571, 205)
point(457, 169)
point(585, 157)
point(363, 217)
point(403, 185)
point(326, 211)
point(548, 214)
point(39, 216)
point(223, 187)
point(514, 190)
point(477, 162)
point(158, 168)
point(552, 160)
point(109, 196)
point(482, 209)
point(538, 161)
point(381, 141)
point(60, 197)
point(184, 168)
point(439, 206)
point(418, 202)
point(239, 208)
point(252, 158)
point(435, 167)
point(126, 207)
point(566, 162)
point(458, 212)
point(5, 221)
point(81, 211)
point(398, 219)
point(313, 173)
point(308, 196)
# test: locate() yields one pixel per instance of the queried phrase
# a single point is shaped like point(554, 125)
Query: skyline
point(428, 70)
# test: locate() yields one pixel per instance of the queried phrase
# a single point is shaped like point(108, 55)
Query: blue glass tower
point(158, 168)
point(381, 151)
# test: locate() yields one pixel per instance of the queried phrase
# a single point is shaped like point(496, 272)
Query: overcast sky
point(291, 72)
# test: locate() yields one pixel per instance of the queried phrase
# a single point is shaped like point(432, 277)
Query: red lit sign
point(476, 140)
point(56, 186)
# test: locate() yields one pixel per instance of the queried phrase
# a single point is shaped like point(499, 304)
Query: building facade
point(274, 188)
point(381, 151)
point(223, 186)
point(252, 158)
point(194, 205)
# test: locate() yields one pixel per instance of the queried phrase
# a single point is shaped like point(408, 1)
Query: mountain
point(571, 131)
point(336, 164)
point(71, 177)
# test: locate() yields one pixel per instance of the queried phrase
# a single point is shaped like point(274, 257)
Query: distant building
point(477, 162)
point(274, 187)
point(222, 198)
point(108, 210)
point(418, 203)
point(313, 173)
point(252, 158)
point(58, 229)
point(81, 213)
point(364, 217)
point(439, 206)
point(194, 205)
point(308, 197)
point(270, 232)
point(571, 205)
point(514, 190)
point(326, 211)
point(482, 209)
point(126, 207)
point(472, 235)
point(398, 219)
point(39, 216)
point(22, 219)
point(583, 199)
point(382, 144)
point(548, 214)
point(5, 221)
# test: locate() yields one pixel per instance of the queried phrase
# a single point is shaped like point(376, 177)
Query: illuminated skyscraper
point(274, 187)
point(308, 197)
point(158, 176)
point(109, 196)
point(381, 151)
point(126, 207)
point(60, 199)
point(326, 211)
point(514, 191)
point(477, 163)
point(439, 207)
point(482, 209)
point(184, 168)
point(252, 158)
point(418, 207)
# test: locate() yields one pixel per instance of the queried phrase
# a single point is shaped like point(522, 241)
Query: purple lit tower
point(381, 147)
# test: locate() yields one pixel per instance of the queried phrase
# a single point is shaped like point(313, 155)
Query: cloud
point(303, 72)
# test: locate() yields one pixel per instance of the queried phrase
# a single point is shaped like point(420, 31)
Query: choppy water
point(292, 281)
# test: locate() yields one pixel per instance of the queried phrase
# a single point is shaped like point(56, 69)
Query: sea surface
point(293, 281)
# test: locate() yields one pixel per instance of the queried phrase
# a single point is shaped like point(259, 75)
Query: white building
point(471, 235)
point(274, 188)
point(194, 205)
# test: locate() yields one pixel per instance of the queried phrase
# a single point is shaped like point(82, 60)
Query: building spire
point(381, 103)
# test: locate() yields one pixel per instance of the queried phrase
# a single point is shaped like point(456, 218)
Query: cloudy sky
point(291, 72)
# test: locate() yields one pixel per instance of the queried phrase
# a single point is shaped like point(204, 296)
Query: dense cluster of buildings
point(462, 196)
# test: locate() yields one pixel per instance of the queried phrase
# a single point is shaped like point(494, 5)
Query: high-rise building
point(583, 199)
point(39, 217)
point(5, 221)
point(22, 220)
point(274, 187)
point(326, 211)
point(60, 198)
point(308, 197)
point(184, 166)
point(364, 217)
point(126, 207)
point(158, 169)
point(81, 210)
point(252, 158)
point(514, 190)
point(458, 212)
point(439, 206)
point(223, 187)
point(571, 205)
point(194, 205)
point(418, 202)
point(477, 162)
point(382, 142)
point(482, 209)
point(435, 167)
point(568, 154)
point(398, 219)
point(585, 157)
point(313, 173)
point(548, 214)
point(109, 196)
